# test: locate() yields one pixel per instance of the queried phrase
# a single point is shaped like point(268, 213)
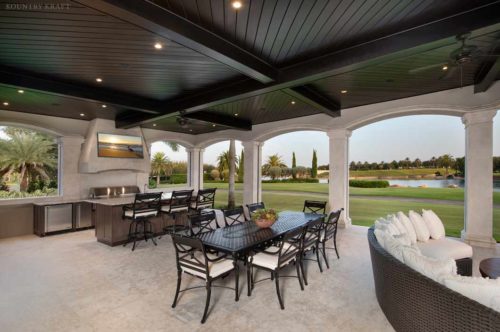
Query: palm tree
point(273, 161)
point(172, 145)
point(223, 162)
point(160, 164)
point(232, 171)
point(446, 161)
point(29, 154)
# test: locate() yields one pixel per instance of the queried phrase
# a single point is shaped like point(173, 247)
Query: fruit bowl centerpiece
point(264, 218)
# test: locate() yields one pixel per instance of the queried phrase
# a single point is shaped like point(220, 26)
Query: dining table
point(241, 239)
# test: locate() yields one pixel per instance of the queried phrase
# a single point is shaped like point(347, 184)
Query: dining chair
point(205, 199)
point(255, 206)
point(192, 259)
point(330, 232)
point(275, 258)
point(145, 206)
point(179, 203)
point(311, 241)
point(234, 216)
point(317, 207)
point(202, 223)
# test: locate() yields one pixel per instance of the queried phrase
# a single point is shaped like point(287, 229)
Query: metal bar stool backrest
point(145, 205)
point(190, 255)
point(234, 216)
point(180, 200)
point(318, 207)
point(205, 198)
point(290, 245)
point(331, 225)
point(202, 223)
point(255, 206)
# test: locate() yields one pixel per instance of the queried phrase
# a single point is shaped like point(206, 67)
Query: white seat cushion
point(215, 268)
point(166, 208)
point(406, 222)
point(419, 226)
point(436, 269)
point(445, 248)
point(483, 290)
point(270, 261)
point(434, 224)
point(130, 214)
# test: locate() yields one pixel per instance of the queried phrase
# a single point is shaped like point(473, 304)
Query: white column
point(478, 228)
point(195, 162)
point(252, 191)
point(69, 175)
point(338, 180)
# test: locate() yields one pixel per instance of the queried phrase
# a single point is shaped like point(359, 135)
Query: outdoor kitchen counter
point(110, 228)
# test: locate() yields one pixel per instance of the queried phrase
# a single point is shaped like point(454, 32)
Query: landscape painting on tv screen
point(119, 146)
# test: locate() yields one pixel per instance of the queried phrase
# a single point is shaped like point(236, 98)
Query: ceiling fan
point(182, 122)
point(466, 53)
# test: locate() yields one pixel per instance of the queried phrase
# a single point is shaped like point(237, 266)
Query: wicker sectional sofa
point(413, 302)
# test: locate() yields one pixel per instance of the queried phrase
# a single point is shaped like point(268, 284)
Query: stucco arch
point(280, 130)
point(186, 144)
point(32, 126)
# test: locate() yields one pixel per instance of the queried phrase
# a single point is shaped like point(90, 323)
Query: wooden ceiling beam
point(169, 25)
point(310, 95)
point(387, 48)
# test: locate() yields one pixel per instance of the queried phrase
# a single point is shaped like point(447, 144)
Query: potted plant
point(264, 218)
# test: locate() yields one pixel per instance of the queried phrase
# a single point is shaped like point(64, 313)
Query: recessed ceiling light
point(343, 91)
point(190, 129)
point(5, 103)
point(235, 114)
point(293, 102)
point(445, 67)
point(213, 125)
point(98, 80)
point(158, 46)
point(237, 4)
point(104, 105)
point(154, 124)
point(82, 114)
point(20, 91)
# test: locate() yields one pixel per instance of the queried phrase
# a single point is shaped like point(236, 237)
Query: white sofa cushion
point(403, 238)
point(436, 269)
point(406, 222)
point(483, 290)
point(419, 226)
point(434, 224)
point(395, 221)
point(445, 248)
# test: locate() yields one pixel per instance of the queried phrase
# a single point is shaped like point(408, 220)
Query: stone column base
point(345, 222)
point(479, 241)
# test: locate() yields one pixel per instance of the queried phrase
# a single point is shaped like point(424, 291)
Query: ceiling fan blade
point(424, 68)
point(449, 73)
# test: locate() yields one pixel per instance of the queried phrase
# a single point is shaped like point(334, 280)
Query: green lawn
point(452, 194)
point(364, 211)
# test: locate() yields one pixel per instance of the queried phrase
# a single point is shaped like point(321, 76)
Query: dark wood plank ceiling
point(78, 44)
point(81, 44)
point(285, 31)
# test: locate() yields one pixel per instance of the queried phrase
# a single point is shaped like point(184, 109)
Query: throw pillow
point(406, 222)
point(434, 224)
point(483, 290)
point(403, 238)
point(395, 221)
point(419, 226)
point(435, 269)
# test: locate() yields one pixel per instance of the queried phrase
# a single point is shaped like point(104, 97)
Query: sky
point(421, 136)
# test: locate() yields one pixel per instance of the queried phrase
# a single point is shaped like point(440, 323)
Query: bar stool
point(205, 199)
point(179, 203)
point(144, 207)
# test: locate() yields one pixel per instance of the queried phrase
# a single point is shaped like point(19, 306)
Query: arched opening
point(216, 171)
point(29, 162)
point(496, 178)
point(169, 165)
point(409, 163)
point(295, 168)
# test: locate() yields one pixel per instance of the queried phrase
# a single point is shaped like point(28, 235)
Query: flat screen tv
point(119, 146)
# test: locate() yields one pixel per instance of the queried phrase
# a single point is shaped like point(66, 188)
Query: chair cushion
point(406, 222)
point(436, 269)
point(215, 268)
point(434, 224)
point(144, 214)
point(166, 209)
point(419, 226)
point(483, 290)
point(445, 248)
point(270, 261)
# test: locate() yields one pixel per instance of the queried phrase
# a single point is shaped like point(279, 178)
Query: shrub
point(215, 174)
point(177, 178)
point(4, 186)
point(304, 180)
point(369, 184)
point(152, 183)
point(275, 172)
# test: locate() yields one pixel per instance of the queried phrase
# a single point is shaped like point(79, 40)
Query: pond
point(436, 183)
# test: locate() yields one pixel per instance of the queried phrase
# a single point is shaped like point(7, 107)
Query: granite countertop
point(112, 201)
point(57, 202)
